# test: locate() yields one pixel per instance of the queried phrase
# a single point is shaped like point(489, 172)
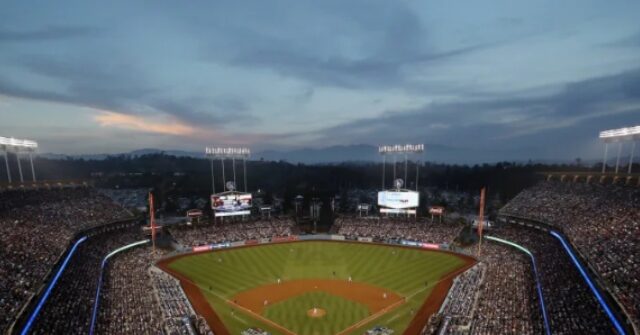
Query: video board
point(231, 203)
point(398, 199)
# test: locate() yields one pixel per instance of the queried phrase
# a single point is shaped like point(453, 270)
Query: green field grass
point(224, 273)
point(341, 313)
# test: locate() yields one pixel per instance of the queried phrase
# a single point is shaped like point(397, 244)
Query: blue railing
point(94, 314)
point(52, 284)
point(535, 273)
point(590, 283)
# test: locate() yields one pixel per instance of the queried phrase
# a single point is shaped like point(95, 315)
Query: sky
point(533, 78)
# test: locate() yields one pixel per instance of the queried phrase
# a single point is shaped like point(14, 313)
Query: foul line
point(356, 325)
point(372, 317)
point(261, 318)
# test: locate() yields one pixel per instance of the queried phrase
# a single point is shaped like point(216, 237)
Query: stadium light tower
point(18, 146)
point(620, 135)
point(395, 150)
point(224, 153)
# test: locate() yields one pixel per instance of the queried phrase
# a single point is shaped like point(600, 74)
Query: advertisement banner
point(398, 199)
point(410, 243)
point(430, 246)
point(250, 242)
point(237, 244)
point(337, 237)
point(365, 239)
point(436, 210)
point(231, 203)
point(201, 248)
point(194, 213)
point(221, 214)
point(284, 238)
point(397, 211)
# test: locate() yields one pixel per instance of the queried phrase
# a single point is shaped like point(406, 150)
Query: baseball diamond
point(317, 287)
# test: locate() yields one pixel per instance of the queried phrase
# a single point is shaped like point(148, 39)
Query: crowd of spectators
point(571, 307)
point(231, 231)
point(497, 296)
point(69, 307)
point(508, 303)
point(385, 229)
point(134, 198)
point(128, 305)
point(601, 221)
point(457, 310)
point(36, 227)
point(504, 299)
point(179, 316)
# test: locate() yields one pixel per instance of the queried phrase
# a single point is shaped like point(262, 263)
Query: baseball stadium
point(327, 167)
point(237, 264)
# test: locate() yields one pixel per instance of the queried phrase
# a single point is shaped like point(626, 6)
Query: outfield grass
point(224, 273)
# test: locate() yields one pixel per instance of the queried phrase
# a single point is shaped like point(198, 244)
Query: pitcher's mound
point(316, 313)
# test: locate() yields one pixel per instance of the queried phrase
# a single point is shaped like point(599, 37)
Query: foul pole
point(481, 220)
point(152, 222)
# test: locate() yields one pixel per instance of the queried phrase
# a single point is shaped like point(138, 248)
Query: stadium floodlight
point(223, 153)
point(394, 151)
point(15, 143)
point(620, 133)
point(18, 146)
point(401, 149)
point(227, 151)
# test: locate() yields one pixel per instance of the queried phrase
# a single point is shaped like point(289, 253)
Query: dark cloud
point(632, 41)
point(47, 33)
point(363, 44)
point(540, 122)
point(120, 87)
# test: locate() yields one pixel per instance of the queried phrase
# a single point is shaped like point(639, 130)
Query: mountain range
point(359, 153)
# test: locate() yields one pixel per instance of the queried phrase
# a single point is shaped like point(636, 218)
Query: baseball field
point(317, 288)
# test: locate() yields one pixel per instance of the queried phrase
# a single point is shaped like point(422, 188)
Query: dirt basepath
point(375, 298)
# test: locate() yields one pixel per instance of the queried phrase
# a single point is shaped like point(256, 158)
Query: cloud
point(364, 44)
point(117, 86)
point(47, 33)
point(507, 121)
point(192, 134)
point(119, 120)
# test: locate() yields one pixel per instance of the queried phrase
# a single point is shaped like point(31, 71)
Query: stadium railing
point(535, 273)
point(32, 302)
point(609, 298)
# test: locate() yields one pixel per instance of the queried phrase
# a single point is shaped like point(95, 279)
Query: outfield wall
point(314, 237)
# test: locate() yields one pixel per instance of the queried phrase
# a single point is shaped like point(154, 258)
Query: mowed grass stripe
point(400, 270)
point(341, 313)
point(403, 280)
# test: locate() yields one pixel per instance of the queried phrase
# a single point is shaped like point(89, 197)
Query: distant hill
point(358, 153)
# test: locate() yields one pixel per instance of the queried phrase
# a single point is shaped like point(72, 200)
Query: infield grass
point(341, 313)
point(410, 273)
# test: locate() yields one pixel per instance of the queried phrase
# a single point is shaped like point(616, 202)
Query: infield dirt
point(371, 296)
